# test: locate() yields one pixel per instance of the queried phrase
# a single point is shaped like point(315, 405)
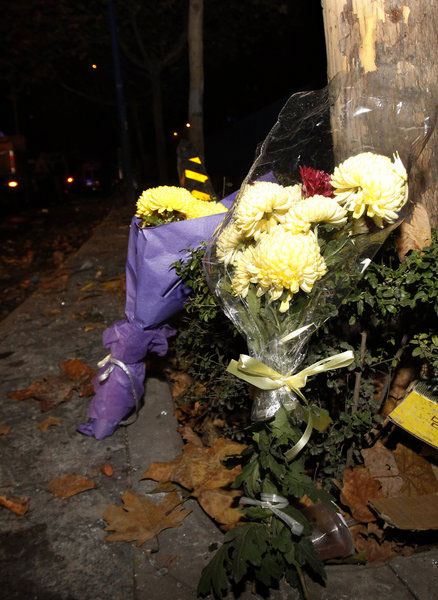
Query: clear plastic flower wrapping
point(319, 129)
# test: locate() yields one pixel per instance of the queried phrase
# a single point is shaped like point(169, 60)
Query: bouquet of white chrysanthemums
point(290, 250)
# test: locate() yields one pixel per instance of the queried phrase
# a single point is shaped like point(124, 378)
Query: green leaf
point(306, 554)
point(250, 543)
point(214, 575)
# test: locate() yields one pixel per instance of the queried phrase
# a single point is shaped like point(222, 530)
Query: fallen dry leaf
point(49, 422)
point(381, 464)
point(107, 469)
point(19, 506)
point(70, 485)
point(415, 233)
point(359, 487)
point(217, 504)
point(5, 429)
point(180, 382)
point(189, 436)
point(140, 519)
point(200, 469)
point(52, 313)
point(416, 471)
point(52, 391)
point(375, 551)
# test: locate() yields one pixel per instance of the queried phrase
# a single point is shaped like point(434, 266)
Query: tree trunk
point(196, 68)
point(160, 137)
point(393, 42)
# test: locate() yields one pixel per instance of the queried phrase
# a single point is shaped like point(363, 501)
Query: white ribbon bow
point(274, 503)
point(112, 363)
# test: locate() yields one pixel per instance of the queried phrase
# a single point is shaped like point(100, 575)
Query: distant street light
point(94, 66)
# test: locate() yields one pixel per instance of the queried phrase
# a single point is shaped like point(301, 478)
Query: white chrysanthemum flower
point(230, 244)
point(283, 262)
point(261, 206)
point(316, 209)
point(243, 277)
point(371, 184)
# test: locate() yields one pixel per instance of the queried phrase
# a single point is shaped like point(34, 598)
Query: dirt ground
point(34, 243)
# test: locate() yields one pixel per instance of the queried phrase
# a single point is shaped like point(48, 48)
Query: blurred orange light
point(70, 179)
point(94, 66)
point(175, 133)
point(13, 184)
point(187, 124)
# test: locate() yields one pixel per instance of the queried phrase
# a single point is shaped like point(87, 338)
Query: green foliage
point(205, 344)
point(388, 320)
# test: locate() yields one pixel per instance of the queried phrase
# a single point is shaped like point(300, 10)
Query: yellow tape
point(200, 195)
point(418, 415)
point(196, 176)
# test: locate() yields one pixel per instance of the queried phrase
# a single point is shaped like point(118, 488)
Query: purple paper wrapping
point(154, 293)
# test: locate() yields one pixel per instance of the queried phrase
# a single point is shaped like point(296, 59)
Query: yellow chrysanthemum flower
point(316, 209)
point(263, 205)
point(166, 199)
point(371, 184)
point(280, 264)
point(230, 244)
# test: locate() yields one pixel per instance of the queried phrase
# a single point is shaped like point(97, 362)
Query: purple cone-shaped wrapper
point(154, 293)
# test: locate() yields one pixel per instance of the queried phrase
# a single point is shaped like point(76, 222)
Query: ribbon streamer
point(260, 375)
point(274, 503)
point(112, 363)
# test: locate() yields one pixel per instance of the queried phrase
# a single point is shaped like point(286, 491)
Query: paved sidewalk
point(57, 550)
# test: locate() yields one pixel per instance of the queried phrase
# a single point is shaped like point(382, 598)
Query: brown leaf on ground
point(52, 391)
point(199, 468)
point(52, 313)
point(19, 506)
point(49, 422)
point(375, 551)
point(189, 436)
point(415, 234)
point(80, 374)
point(381, 464)
point(416, 471)
point(5, 429)
point(217, 504)
point(359, 487)
point(179, 383)
point(70, 485)
point(107, 469)
point(140, 519)
point(55, 281)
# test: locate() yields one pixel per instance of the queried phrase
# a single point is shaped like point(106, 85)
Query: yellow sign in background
point(418, 415)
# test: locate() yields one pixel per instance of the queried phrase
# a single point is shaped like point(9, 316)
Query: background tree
point(196, 70)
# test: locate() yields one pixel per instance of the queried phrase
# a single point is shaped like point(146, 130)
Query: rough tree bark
point(196, 67)
point(390, 41)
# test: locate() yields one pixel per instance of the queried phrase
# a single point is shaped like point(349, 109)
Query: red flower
point(315, 182)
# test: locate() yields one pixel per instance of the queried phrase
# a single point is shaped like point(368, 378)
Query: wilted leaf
point(49, 422)
point(140, 519)
point(107, 469)
point(374, 550)
point(381, 464)
point(188, 435)
point(416, 471)
point(359, 487)
point(179, 383)
point(19, 506)
point(217, 504)
point(415, 234)
point(70, 485)
point(5, 429)
point(199, 468)
point(52, 391)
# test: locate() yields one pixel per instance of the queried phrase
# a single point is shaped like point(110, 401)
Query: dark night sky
point(257, 52)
